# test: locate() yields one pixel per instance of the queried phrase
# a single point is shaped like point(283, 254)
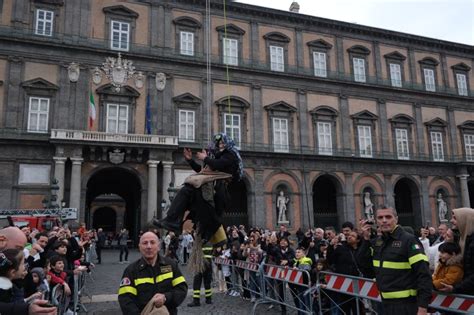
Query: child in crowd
point(58, 276)
point(449, 270)
point(301, 262)
point(12, 266)
point(317, 277)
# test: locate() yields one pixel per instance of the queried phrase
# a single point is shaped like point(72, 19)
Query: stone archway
point(105, 218)
point(407, 203)
point(327, 199)
point(125, 187)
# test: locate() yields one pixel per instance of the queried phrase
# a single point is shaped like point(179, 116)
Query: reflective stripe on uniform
point(391, 264)
point(164, 276)
point(416, 258)
point(127, 289)
point(208, 256)
point(139, 281)
point(398, 294)
point(208, 292)
point(178, 280)
point(197, 294)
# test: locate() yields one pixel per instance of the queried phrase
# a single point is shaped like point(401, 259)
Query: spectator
point(449, 270)
point(254, 254)
point(283, 233)
point(301, 262)
point(123, 245)
point(57, 274)
point(463, 220)
point(101, 238)
point(347, 227)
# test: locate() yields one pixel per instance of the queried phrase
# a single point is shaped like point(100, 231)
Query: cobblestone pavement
point(99, 295)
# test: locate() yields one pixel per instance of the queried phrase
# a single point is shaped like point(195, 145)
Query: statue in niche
point(282, 202)
point(368, 207)
point(442, 208)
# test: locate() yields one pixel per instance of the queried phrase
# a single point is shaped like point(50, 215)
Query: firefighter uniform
point(141, 281)
point(205, 276)
point(402, 272)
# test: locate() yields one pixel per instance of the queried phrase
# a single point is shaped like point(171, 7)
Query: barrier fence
point(271, 284)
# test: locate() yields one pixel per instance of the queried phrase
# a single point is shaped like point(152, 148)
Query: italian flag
point(91, 110)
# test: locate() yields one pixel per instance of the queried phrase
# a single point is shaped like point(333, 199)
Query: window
point(119, 35)
point(117, 118)
point(469, 147)
point(429, 80)
point(280, 135)
point(324, 138)
point(395, 75)
point(38, 114)
point(365, 141)
point(277, 61)
point(359, 69)
point(232, 127)
point(319, 64)
point(437, 146)
point(401, 137)
point(462, 84)
point(231, 52)
point(187, 43)
point(186, 125)
point(44, 22)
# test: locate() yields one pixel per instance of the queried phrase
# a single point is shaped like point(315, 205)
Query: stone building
point(322, 110)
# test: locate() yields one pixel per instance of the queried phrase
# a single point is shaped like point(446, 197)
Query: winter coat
point(450, 272)
point(466, 286)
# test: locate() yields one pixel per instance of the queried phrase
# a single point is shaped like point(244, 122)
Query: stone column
point(303, 117)
point(384, 128)
point(340, 56)
point(75, 193)
point(349, 207)
point(258, 217)
point(389, 201)
point(420, 129)
point(425, 212)
point(59, 165)
point(152, 189)
point(345, 126)
point(466, 202)
point(167, 165)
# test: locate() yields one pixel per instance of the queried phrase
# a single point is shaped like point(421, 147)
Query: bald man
point(12, 237)
point(151, 279)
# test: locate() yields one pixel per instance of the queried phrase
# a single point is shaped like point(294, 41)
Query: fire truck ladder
point(63, 213)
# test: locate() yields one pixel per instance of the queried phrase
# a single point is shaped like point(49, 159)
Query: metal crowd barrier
point(271, 284)
point(367, 289)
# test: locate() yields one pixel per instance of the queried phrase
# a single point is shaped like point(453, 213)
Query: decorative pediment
point(187, 99)
point(395, 55)
point(364, 115)
point(461, 66)
point(324, 111)
point(126, 90)
point(277, 37)
point(233, 101)
point(281, 106)
point(436, 122)
point(230, 29)
point(359, 50)
point(187, 21)
point(319, 43)
point(467, 125)
point(39, 84)
point(401, 119)
point(429, 61)
point(121, 10)
point(51, 2)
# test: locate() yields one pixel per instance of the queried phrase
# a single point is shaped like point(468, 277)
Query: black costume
point(208, 202)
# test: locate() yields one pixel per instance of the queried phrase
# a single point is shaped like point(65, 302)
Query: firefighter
point(401, 267)
point(204, 276)
point(151, 278)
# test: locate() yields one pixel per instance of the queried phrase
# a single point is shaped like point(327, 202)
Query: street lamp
point(172, 191)
point(163, 206)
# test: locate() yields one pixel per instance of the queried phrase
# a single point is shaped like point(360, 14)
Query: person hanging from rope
point(205, 193)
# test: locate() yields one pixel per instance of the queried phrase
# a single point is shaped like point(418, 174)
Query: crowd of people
point(32, 263)
point(352, 250)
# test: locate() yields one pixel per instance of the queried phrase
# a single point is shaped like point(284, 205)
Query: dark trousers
point(98, 251)
point(400, 306)
point(206, 277)
point(123, 249)
point(180, 204)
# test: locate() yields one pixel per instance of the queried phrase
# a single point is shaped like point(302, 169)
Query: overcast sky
point(451, 20)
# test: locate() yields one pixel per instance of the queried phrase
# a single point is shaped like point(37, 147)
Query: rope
point(227, 76)
point(208, 68)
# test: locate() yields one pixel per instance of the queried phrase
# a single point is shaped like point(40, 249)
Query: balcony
point(104, 137)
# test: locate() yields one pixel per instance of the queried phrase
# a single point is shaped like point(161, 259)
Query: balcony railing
point(147, 51)
point(95, 136)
